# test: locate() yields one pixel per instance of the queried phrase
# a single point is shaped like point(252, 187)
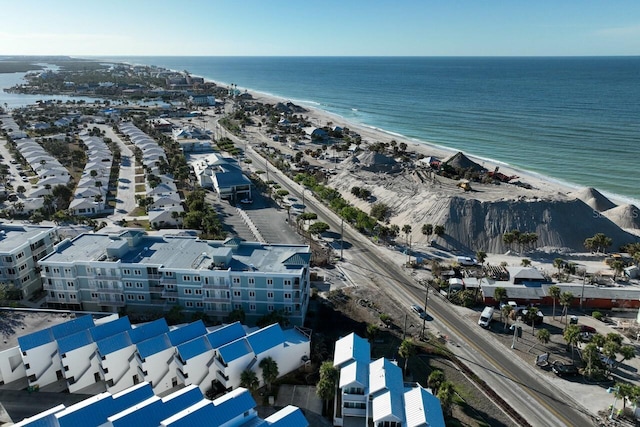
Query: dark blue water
point(574, 119)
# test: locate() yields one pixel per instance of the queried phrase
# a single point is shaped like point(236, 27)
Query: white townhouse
point(137, 406)
point(374, 392)
point(104, 272)
point(21, 247)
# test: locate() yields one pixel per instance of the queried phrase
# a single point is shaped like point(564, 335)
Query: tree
point(627, 352)
point(532, 314)
point(406, 350)
point(558, 263)
point(572, 336)
point(445, 395)
point(269, 371)
point(427, 229)
point(98, 199)
point(481, 256)
point(436, 378)
point(618, 268)
point(21, 190)
point(439, 230)
point(326, 387)
point(380, 211)
point(554, 292)
point(591, 358)
point(506, 312)
point(249, 380)
point(500, 294)
point(565, 301)
point(372, 332)
point(543, 336)
point(318, 227)
point(526, 262)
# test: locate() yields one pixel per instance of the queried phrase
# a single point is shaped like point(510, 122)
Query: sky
point(320, 28)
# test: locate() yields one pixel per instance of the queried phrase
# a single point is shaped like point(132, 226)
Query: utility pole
point(341, 236)
point(404, 332)
point(426, 303)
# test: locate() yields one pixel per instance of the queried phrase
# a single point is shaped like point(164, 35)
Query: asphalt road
point(519, 385)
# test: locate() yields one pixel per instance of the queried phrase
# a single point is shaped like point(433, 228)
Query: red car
point(589, 329)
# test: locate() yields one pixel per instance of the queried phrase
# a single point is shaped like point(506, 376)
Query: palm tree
point(500, 294)
point(269, 371)
point(98, 199)
point(506, 312)
point(481, 256)
point(526, 262)
point(627, 352)
point(618, 268)
point(572, 336)
point(372, 331)
point(427, 229)
point(532, 314)
point(327, 384)
point(543, 336)
point(554, 292)
point(249, 380)
point(406, 229)
point(558, 263)
point(565, 301)
point(406, 350)
point(445, 395)
point(435, 380)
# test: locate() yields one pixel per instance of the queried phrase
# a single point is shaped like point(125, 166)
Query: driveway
point(125, 195)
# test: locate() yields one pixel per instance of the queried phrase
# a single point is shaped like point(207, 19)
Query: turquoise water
point(576, 120)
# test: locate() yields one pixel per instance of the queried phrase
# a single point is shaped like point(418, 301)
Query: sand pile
point(595, 199)
point(375, 162)
point(626, 216)
point(460, 161)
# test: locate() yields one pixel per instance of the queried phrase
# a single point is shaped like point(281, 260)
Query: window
point(287, 295)
point(196, 278)
point(198, 291)
point(94, 295)
point(136, 272)
point(128, 284)
point(270, 295)
point(73, 296)
point(67, 271)
point(236, 293)
point(270, 282)
point(20, 255)
point(189, 304)
point(252, 294)
point(22, 267)
point(188, 291)
point(11, 271)
point(126, 272)
point(141, 298)
point(168, 273)
point(61, 296)
point(287, 282)
point(24, 279)
point(237, 306)
point(138, 284)
point(186, 278)
point(71, 284)
point(10, 259)
point(56, 270)
point(252, 307)
point(199, 304)
point(89, 269)
point(172, 299)
point(252, 281)
point(235, 280)
point(130, 297)
point(289, 309)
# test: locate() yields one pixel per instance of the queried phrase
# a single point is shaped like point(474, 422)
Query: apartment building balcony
point(110, 302)
point(157, 289)
point(166, 293)
point(155, 276)
point(224, 379)
point(107, 277)
point(52, 287)
point(216, 299)
point(109, 290)
point(168, 280)
point(182, 377)
point(354, 412)
point(215, 286)
point(141, 374)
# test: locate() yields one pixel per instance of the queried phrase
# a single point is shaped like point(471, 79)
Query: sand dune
point(595, 199)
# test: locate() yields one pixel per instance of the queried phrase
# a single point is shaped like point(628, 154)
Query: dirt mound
point(595, 199)
point(625, 216)
point(460, 161)
point(558, 224)
point(376, 162)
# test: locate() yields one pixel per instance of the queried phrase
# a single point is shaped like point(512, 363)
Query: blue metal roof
point(289, 416)
point(145, 415)
point(149, 330)
point(73, 326)
point(193, 348)
point(108, 329)
point(95, 410)
point(219, 412)
point(266, 338)
point(187, 333)
point(153, 345)
point(234, 350)
point(73, 342)
point(35, 339)
point(114, 343)
point(226, 334)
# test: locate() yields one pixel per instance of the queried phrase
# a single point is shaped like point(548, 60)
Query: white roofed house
point(351, 358)
point(386, 388)
point(165, 217)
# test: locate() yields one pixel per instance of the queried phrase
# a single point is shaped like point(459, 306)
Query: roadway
point(518, 384)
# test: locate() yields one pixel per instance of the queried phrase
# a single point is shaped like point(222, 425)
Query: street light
point(614, 390)
point(515, 327)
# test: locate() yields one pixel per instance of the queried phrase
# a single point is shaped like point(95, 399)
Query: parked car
point(562, 369)
point(419, 311)
point(589, 329)
point(246, 201)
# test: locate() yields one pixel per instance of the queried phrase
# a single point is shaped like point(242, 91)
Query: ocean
point(574, 119)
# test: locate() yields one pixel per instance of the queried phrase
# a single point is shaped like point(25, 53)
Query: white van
point(486, 317)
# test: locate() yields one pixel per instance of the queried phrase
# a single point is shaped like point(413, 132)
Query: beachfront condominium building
point(106, 272)
point(21, 247)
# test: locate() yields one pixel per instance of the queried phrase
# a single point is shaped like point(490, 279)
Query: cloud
point(628, 31)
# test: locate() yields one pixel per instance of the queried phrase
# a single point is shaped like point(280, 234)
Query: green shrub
point(596, 315)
